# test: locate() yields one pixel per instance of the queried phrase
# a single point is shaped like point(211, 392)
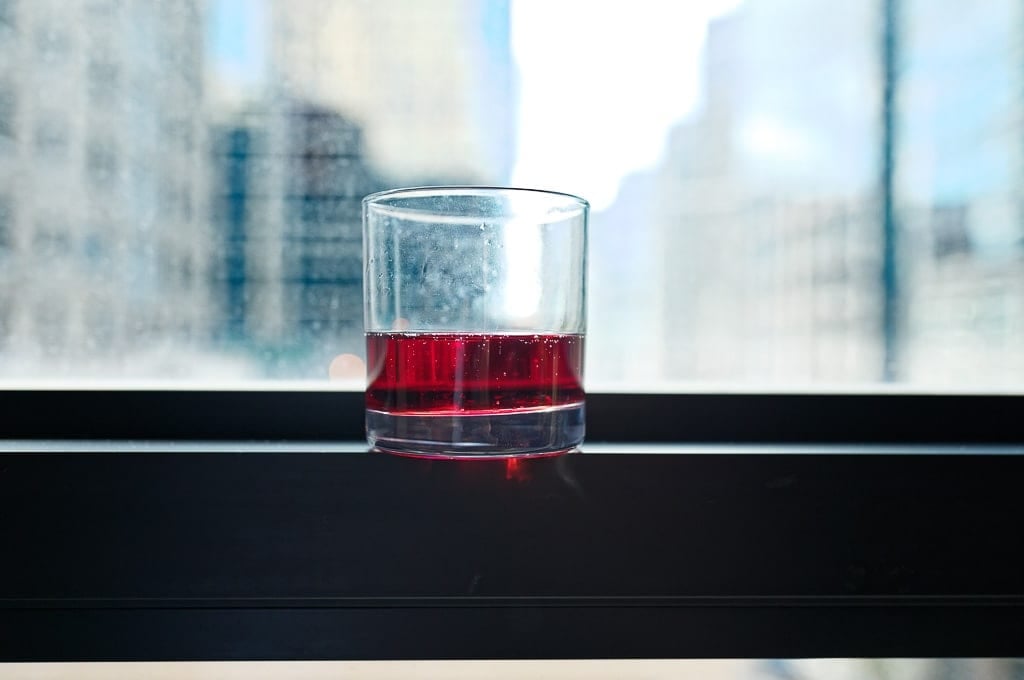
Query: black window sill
point(128, 551)
point(296, 416)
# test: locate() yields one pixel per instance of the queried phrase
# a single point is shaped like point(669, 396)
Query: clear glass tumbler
point(475, 313)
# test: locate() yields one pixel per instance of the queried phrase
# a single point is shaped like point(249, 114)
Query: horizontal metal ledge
point(650, 602)
point(321, 414)
point(510, 633)
point(317, 555)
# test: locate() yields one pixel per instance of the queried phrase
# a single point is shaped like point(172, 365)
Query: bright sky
point(601, 84)
point(237, 39)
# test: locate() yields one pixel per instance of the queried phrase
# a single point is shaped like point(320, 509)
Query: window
point(785, 194)
point(50, 326)
point(6, 222)
point(101, 164)
point(52, 139)
point(5, 321)
point(103, 79)
point(53, 42)
point(50, 240)
point(7, 9)
point(7, 110)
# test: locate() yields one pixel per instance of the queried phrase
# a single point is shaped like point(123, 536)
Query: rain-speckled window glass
point(784, 192)
point(6, 12)
point(6, 110)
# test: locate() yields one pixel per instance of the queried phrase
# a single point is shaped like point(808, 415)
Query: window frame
point(194, 414)
point(966, 435)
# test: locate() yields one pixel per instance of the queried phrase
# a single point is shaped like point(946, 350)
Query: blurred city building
point(152, 225)
point(763, 210)
point(342, 113)
point(766, 209)
point(432, 83)
point(289, 180)
point(103, 238)
point(960, 191)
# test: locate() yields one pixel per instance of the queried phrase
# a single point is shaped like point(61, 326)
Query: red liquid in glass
point(472, 373)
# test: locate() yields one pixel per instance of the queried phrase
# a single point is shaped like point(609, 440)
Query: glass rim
point(382, 201)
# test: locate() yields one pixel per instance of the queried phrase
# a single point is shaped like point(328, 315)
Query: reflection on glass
point(180, 180)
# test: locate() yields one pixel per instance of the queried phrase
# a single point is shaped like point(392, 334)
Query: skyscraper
point(432, 83)
point(102, 189)
point(768, 204)
point(289, 178)
point(769, 192)
point(353, 93)
point(959, 173)
point(762, 208)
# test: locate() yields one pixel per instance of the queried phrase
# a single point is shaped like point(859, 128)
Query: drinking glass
point(475, 313)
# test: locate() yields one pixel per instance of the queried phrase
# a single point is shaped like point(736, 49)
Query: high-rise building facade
point(959, 179)
point(769, 205)
point(103, 229)
point(287, 280)
point(357, 97)
point(433, 84)
point(767, 213)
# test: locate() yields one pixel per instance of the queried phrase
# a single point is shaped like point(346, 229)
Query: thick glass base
point(495, 434)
